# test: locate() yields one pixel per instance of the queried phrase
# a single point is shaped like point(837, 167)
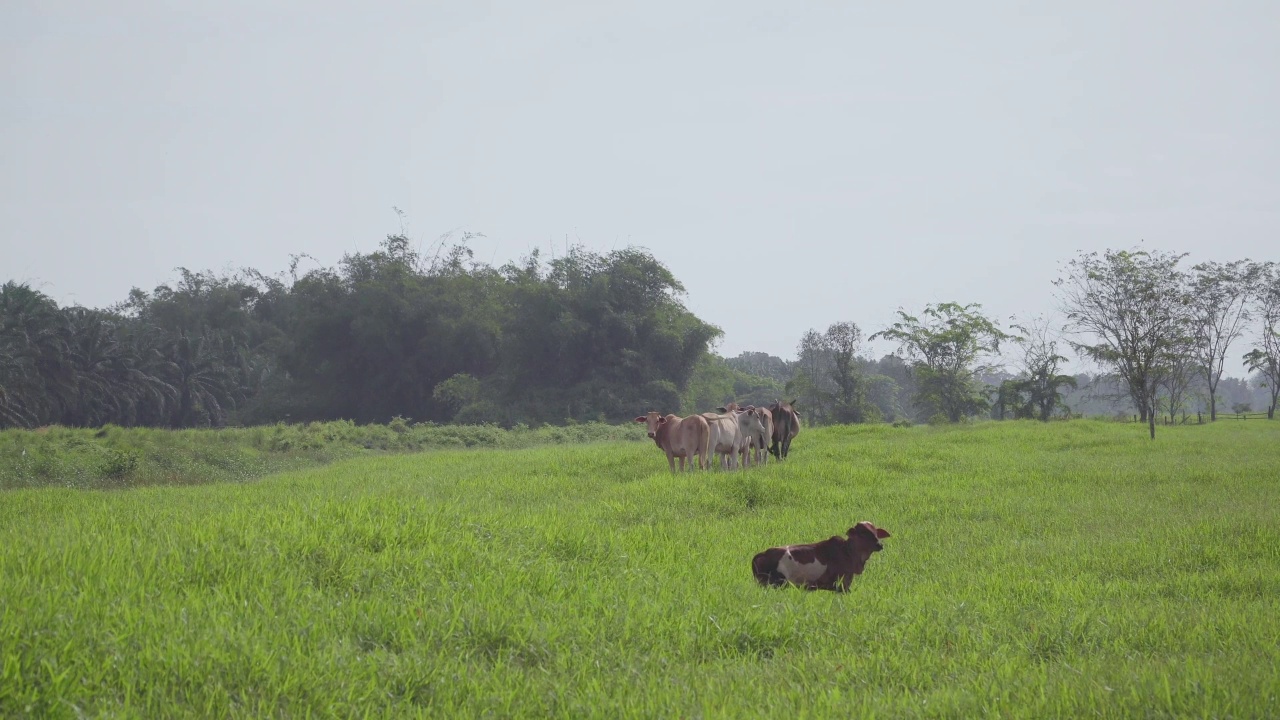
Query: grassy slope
point(1063, 570)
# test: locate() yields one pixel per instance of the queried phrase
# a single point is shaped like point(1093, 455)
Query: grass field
point(115, 458)
point(1064, 570)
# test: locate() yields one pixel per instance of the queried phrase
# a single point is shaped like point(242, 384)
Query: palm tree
point(38, 380)
point(205, 385)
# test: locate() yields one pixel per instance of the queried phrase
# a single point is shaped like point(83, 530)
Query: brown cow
point(679, 437)
point(828, 565)
point(786, 426)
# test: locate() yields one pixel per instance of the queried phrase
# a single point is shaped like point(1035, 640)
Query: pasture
point(1064, 570)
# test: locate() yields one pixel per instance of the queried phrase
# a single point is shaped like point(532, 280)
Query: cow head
point(750, 423)
point(654, 421)
point(864, 539)
point(731, 407)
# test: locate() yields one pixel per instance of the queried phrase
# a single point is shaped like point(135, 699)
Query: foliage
point(1220, 294)
point(762, 365)
point(1264, 358)
point(389, 333)
point(1134, 307)
point(946, 345)
point(1034, 571)
point(716, 381)
point(836, 385)
point(1035, 392)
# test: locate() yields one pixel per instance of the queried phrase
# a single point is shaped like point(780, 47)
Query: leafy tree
point(1036, 393)
point(1219, 314)
point(763, 365)
point(1264, 359)
point(38, 381)
point(1177, 382)
point(841, 341)
point(1133, 306)
point(946, 345)
point(811, 382)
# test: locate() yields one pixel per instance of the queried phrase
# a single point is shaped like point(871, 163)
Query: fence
point(1199, 418)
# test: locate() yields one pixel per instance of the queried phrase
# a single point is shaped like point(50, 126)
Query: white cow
point(727, 441)
point(756, 424)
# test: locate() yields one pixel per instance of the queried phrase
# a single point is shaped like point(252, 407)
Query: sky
point(793, 164)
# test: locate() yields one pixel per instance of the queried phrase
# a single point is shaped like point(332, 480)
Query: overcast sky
point(794, 164)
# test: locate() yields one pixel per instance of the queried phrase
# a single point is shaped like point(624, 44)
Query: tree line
point(1161, 333)
point(432, 336)
point(437, 336)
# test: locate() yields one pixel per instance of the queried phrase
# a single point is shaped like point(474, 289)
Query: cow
point(786, 426)
point(727, 441)
point(680, 438)
point(827, 565)
point(756, 423)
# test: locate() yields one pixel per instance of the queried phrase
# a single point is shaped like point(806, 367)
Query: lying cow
point(786, 426)
point(828, 565)
point(679, 438)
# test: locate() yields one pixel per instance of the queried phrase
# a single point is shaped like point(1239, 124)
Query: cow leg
point(671, 461)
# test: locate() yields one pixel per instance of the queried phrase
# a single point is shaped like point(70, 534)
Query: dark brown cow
point(786, 426)
point(828, 565)
point(680, 437)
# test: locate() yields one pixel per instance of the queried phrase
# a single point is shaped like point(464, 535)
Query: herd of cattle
point(735, 435)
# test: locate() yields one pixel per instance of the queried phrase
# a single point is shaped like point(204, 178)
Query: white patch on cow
point(797, 573)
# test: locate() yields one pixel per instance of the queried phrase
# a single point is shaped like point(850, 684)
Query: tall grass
point(114, 457)
point(1065, 570)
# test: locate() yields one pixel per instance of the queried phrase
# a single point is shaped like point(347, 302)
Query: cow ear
point(721, 409)
point(870, 529)
point(642, 419)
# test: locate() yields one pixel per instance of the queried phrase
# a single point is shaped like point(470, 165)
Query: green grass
point(1065, 570)
point(117, 458)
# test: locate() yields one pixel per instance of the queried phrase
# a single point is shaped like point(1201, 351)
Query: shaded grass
point(1034, 571)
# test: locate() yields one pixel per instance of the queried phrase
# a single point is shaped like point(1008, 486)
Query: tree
point(1036, 393)
point(1183, 371)
point(841, 342)
point(1133, 305)
point(763, 365)
point(946, 345)
point(1264, 359)
point(1219, 314)
point(811, 383)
